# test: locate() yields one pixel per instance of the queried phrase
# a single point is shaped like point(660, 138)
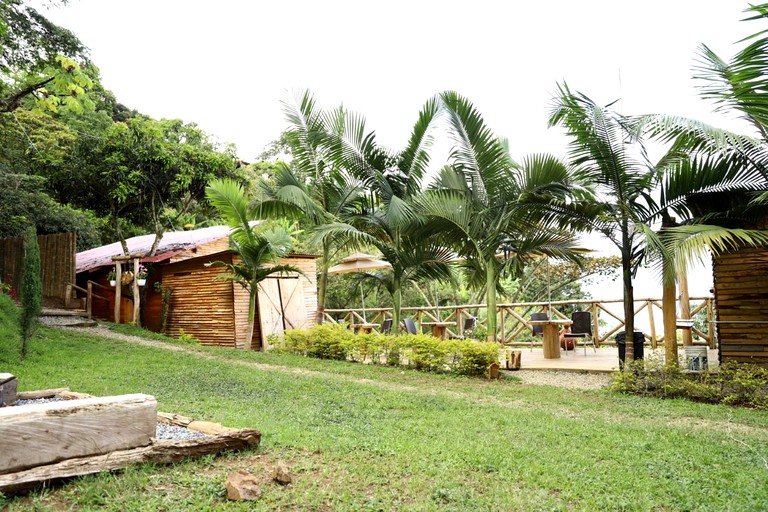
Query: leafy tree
point(31, 290)
point(259, 250)
point(143, 169)
point(23, 204)
point(38, 60)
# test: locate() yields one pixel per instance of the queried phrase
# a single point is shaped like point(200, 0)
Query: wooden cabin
point(184, 294)
point(741, 298)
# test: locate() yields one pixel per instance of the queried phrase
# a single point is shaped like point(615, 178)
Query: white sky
point(226, 65)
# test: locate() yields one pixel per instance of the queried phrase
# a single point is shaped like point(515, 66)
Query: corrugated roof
point(171, 241)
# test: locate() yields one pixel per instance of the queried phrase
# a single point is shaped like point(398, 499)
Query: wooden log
point(160, 452)
point(41, 393)
point(8, 384)
point(51, 432)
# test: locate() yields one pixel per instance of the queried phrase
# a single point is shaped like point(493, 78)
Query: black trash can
point(637, 346)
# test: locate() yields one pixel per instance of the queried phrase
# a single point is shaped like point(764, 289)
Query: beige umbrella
point(359, 262)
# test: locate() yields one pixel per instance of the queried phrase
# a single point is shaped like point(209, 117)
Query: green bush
point(327, 341)
point(476, 357)
point(419, 351)
point(734, 383)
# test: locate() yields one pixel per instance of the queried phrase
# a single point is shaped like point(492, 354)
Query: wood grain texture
point(159, 452)
point(49, 432)
point(741, 297)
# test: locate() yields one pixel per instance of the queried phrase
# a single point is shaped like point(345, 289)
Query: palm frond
point(477, 152)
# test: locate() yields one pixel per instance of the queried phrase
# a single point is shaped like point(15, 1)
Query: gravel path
point(570, 380)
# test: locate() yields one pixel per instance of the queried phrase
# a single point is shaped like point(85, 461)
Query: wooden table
point(551, 339)
point(439, 328)
point(364, 328)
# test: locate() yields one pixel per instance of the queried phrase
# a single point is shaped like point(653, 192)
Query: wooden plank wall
point(57, 263)
point(201, 304)
point(741, 299)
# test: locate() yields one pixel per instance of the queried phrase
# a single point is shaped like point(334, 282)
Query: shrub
point(422, 352)
point(476, 356)
point(735, 383)
point(31, 290)
point(327, 341)
point(419, 351)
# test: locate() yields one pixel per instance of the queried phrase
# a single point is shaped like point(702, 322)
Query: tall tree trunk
point(252, 292)
point(629, 293)
point(490, 290)
point(397, 299)
point(322, 286)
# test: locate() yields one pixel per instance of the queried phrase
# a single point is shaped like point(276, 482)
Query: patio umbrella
point(359, 262)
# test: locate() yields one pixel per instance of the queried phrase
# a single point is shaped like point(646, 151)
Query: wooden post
point(503, 326)
point(685, 307)
point(118, 290)
point(136, 293)
point(89, 299)
point(670, 323)
point(710, 324)
point(652, 323)
point(595, 324)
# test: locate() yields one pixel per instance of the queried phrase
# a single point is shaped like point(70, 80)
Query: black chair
point(582, 328)
point(469, 326)
point(538, 330)
point(410, 326)
point(386, 326)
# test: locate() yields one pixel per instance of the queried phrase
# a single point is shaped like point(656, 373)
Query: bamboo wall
point(57, 263)
point(201, 304)
point(741, 296)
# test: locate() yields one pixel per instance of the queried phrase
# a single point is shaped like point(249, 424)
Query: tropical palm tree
point(482, 203)
point(634, 196)
point(260, 250)
point(313, 189)
point(388, 219)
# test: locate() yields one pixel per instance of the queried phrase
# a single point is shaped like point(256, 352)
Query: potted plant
point(141, 275)
point(111, 277)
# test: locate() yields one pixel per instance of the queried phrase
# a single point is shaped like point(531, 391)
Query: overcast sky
point(227, 65)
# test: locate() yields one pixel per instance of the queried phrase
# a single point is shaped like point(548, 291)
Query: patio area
point(605, 360)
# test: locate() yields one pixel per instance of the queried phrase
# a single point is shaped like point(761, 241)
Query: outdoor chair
point(538, 330)
point(386, 326)
point(410, 326)
point(469, 326)
point(582, 328)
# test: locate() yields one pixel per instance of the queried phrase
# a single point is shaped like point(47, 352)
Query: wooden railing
point(89, 295)
point(513, 318)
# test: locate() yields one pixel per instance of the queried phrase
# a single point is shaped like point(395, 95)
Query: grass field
point(372, 438)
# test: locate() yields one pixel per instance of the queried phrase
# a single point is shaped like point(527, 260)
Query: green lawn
point(371, 438)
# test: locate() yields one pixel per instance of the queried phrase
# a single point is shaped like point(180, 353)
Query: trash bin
point(637, 345)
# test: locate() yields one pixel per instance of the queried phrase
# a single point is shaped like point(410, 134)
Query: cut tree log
point(218, 439)
point(44, 433)
point(8, 384)
point(41, 393)
point(160, 452)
